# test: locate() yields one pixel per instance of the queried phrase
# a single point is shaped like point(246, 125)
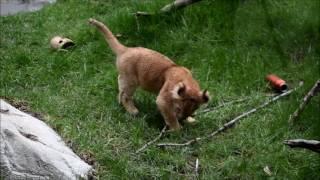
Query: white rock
point(32, 150)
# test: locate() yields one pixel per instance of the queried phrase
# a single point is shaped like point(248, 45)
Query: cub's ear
point(178, 90)
point(205, 96)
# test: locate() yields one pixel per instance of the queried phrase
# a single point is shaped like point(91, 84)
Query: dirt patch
point(24, 107)
point(86, 156)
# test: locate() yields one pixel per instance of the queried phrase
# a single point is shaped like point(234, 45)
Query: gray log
point(177, 4)
point(32, 150)
point(312, 145)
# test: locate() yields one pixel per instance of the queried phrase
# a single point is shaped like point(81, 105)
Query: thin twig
point(313, 91)
point(232, 122)
point(142, 13)
point(312, 145)
point(138, 24)
point(63, 50)
point(196, 168)
point(154, 140)
point(209, 109)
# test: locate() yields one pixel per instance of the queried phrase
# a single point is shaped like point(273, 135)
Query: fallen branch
point(232, 122)
point(177, 4)
point(313, 91)
point(154, 140)
point(204, 111)
point(312, 145)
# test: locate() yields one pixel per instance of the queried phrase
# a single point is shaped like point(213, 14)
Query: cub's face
point(188, 100)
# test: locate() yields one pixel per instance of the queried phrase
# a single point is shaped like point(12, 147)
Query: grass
point(230, 46)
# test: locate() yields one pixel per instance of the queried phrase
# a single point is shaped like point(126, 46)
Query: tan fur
point(179, 94)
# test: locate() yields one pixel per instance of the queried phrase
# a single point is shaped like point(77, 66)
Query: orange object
point(277, 83)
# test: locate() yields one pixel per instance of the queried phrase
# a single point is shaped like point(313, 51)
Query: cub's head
point(188, 99)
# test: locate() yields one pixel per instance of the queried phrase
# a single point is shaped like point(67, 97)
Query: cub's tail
point(113, 42)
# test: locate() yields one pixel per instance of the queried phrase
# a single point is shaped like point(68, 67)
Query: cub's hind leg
point(127, 88)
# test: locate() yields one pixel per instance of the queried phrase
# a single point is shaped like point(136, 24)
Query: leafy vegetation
point(230, 46)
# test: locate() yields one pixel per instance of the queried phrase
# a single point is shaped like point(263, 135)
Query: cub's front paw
point(133, 111)
point(176, 128)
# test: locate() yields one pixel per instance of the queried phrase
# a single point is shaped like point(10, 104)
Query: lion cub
point(179, 94)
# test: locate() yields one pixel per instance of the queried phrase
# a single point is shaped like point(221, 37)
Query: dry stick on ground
point(312, 145)
point(138, 24)
point(232, 122)
point(313, 91)
point(177, 4)
point(209, 109)
point(204, 111)
point(154, 140)
point(196, 168)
